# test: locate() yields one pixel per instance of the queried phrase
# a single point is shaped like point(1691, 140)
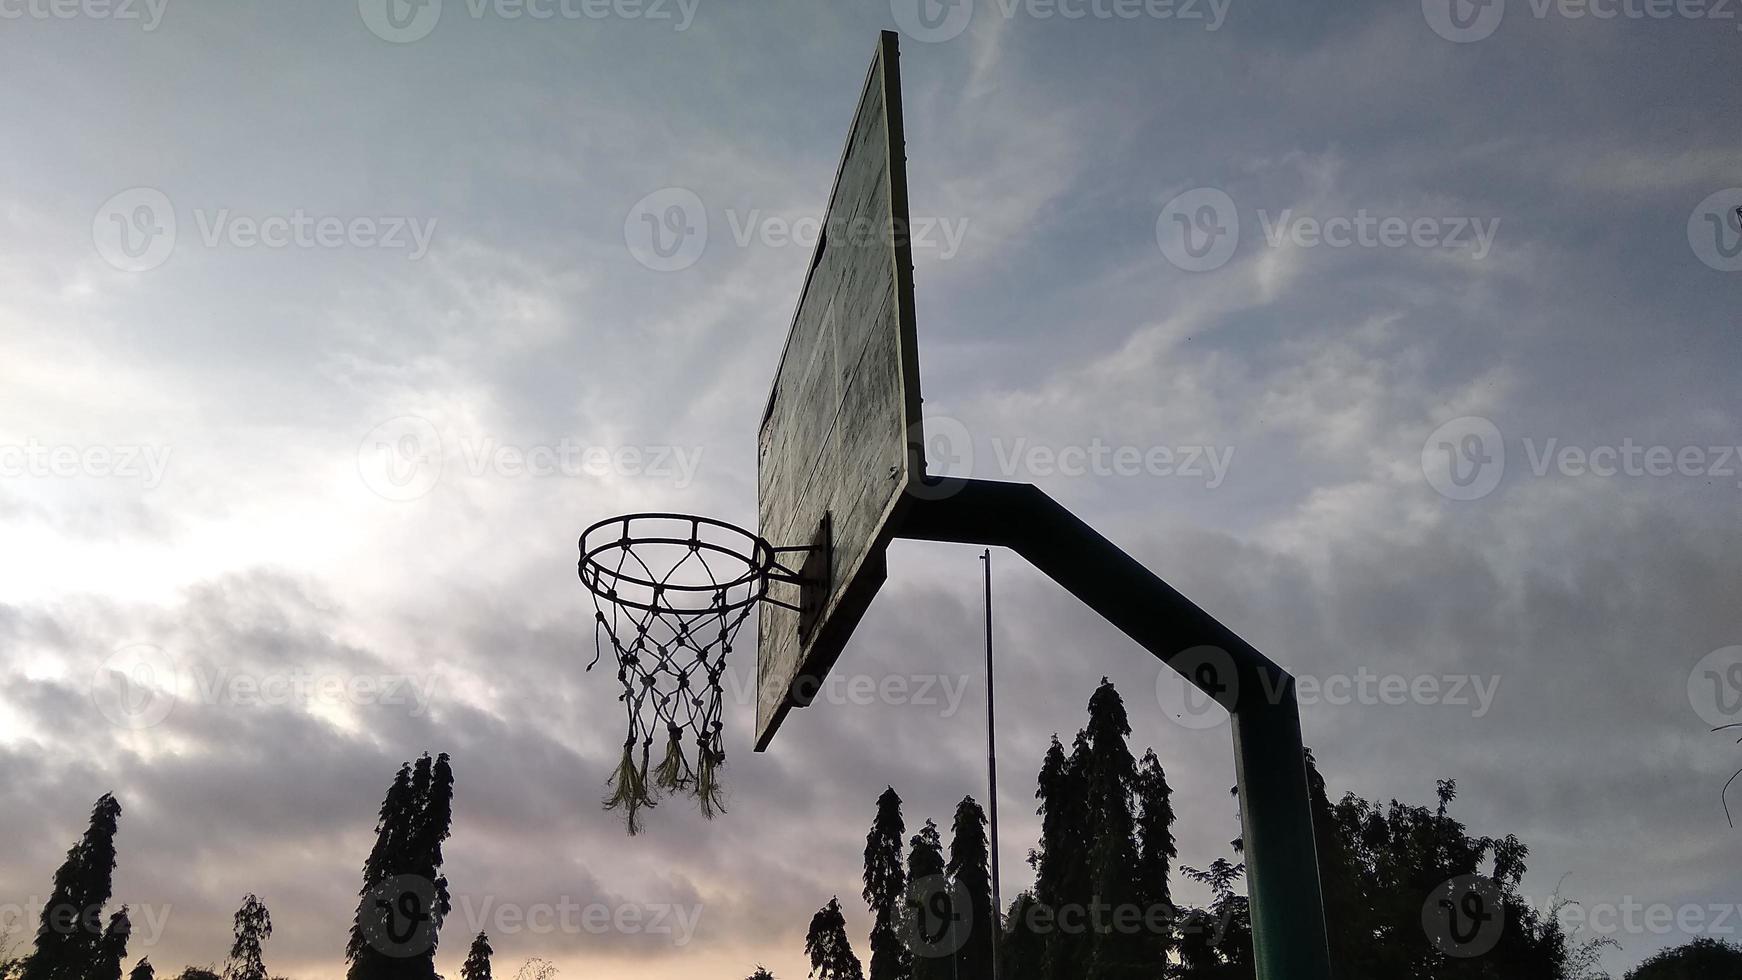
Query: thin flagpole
point(997, 917)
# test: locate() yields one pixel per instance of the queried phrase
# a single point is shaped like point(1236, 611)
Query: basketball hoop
point(671, 592)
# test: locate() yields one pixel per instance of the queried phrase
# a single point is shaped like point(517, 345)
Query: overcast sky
point(1343, 284)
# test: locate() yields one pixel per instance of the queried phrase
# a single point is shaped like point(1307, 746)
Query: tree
point(10, 964)
point(761, 973)
point(886, 890)
point(970, 875)
point(1110, 786)
point(1155, 848)
point(70, 938)
point(826, 944)
point(1061, 861)
point(112, 948)
point(142, 970)
point(930, 916)
point(1022, 947)
point(1703, 959)
point(253, 928)
point(404, 896)
point(1216, 943)
point(477, 965)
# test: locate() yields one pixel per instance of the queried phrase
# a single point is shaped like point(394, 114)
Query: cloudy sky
point(326, 327)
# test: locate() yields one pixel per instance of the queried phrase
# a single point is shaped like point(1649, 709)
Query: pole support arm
point(1288, 920)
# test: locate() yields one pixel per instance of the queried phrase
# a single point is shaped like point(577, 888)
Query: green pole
point(1288, 916)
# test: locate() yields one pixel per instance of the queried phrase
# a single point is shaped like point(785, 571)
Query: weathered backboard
point(840, 442)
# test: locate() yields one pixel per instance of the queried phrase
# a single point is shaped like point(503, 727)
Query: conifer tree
point(477, 965)
point(1021, 947)
point(971, 877)
point(253, 928)
point(112, 948)
point(143, 970)
point(404, 896)
point(1155, 850)
point(826, 944)
point(1109, 786)
point(886, 890)
point(931, 927)
point(70, 936)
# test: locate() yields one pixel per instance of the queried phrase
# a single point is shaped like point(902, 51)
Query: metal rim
point(758, 558)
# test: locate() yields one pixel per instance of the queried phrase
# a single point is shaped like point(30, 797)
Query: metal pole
point(997, 917)
point(1288, 917)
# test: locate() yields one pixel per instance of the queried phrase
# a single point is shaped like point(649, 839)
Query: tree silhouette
point(404, 896)
point(112, 948)
point(970, 873)
point(70, 937)
point(477, 965)
point(761, 973)
point(253, 928)
point(1216, 943)
point(1061, 860)
point(826, 944)
point(931, 923)
point(886, 890)
point(1155, 852)
point(1022, 947)
point(1110, 786)
point(142, 970)
point(1703, 959)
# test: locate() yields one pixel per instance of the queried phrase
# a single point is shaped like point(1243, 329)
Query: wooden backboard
point(840, 443)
